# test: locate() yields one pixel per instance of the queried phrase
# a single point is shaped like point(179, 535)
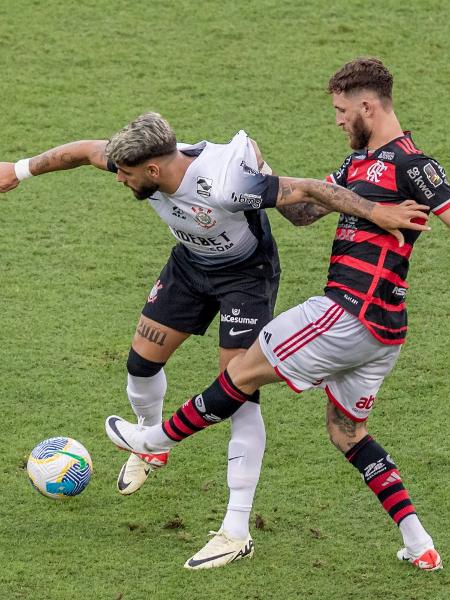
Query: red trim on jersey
point(391, 329)
point(407, 146)
point(442, 208)
point(338, 405)
point(365, 267)
point(288, 381)
point(230, 391)
point(373, 300)
point(330, 179)
point(375, 280)
point(384, 241)
point(317, 328)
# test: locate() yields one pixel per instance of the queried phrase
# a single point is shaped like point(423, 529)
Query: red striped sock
point(216, 403)
point(381, 475)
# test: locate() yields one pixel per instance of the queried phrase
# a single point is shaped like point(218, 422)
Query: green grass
point(79, 256)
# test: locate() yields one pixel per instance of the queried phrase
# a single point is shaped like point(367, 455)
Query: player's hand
point(8, 179)
point(407, 215)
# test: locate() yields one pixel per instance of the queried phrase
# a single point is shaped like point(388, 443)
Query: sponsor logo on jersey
point(399, 291)
point(203, 216)
point(249, 170)
point(375, 171)
point(218, 243)
point(154, 291)
point(416, 176)
point(177, 212)
point(386, 155)
point(204, 185)
point(253, 200)
point(347, 221)
point(351, 299)
point(432, 176)
point(225, 318)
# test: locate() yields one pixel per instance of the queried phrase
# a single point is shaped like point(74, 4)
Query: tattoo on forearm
point(152, 334)
point(335, 197)
point(302, 213)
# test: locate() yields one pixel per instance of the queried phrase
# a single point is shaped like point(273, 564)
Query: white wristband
point(22, 169)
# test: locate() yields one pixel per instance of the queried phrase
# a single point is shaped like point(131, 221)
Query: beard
point(360, 135)
point(145, 192)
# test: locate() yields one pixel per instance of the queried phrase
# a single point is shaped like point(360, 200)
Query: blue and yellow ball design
point(59, 467)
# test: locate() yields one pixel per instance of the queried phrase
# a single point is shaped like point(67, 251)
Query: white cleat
point(220, 550)
point(428, 560)
point(132, 437)
point(133, 475)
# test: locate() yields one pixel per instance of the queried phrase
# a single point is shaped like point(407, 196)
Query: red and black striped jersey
point(368, 270)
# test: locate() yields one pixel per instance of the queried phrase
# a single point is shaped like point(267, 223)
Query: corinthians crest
point(203, 216)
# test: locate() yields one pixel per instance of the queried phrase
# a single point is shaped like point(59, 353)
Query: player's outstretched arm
point(68, 156)
point(336, 198)
point(303, 213)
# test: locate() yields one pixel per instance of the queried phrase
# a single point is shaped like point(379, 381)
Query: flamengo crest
point(375, 171)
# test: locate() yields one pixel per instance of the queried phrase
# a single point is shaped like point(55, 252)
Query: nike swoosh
point(232, 332)
point(121, 483)
point(112, 423)
point(195, 563)
point(235, 457)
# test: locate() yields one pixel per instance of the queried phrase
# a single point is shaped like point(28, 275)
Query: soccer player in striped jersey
point(348, 340)
point(213, 198)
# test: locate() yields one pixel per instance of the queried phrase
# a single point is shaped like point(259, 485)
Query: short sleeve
point(245, 188)
point(427, 183)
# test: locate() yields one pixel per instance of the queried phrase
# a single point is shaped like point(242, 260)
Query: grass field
point(79, 256)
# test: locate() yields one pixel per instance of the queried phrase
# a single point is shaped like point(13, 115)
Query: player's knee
point(138, 366)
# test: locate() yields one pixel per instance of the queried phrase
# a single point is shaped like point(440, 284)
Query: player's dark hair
point(148, 136)
point(362, 73)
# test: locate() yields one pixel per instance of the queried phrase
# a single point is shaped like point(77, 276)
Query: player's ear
point(367, 108)
point(152, 169)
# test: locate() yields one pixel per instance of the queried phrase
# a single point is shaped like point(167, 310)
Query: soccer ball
point(59, 467)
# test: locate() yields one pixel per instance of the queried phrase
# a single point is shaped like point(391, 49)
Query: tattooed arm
point(336, 198)
point(68, 156)
point(303, 213)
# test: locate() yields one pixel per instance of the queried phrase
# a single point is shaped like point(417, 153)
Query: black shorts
point(187, 297)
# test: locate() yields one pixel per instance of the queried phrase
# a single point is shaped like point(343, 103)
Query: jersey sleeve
point(427, 183)
point(244, 187)
point(111, 166)
point(340, 175)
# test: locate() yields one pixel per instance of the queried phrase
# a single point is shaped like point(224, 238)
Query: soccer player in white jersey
point(348, 340)
point(212, 197)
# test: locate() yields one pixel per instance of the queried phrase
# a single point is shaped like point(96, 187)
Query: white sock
point(415, 537)
point(146, 395)
point(245, 454)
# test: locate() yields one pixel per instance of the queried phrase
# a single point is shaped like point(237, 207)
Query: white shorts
point(319, 344)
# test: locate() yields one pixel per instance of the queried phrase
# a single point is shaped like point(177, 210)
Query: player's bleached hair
point(362, 73)
point(149, 135)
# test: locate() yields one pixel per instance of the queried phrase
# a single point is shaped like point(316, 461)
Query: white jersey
point(208, 213)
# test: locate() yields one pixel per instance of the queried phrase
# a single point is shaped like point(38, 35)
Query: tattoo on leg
point(152, 334)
